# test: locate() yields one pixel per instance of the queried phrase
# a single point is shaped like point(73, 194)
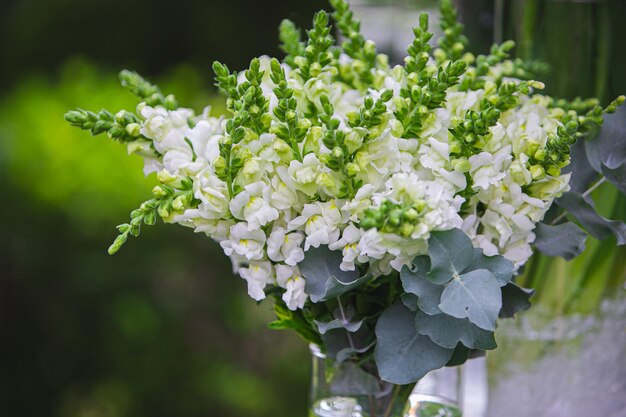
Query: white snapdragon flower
point(320, 222)
point(167, 128)
point(204, 138)
point(488, 169)
point(217, 229)
point(285, 247)
point(290, 279)
point(304, 174)
point(458, 103)
point(434, 155)
point(348, 244)
point(258, 274)
point(356, 207)
point(245, 242)
point(283, 194)
point(371, 246)
point(151, 161)
point(213, 194)
point(252, 205)
point(437, 126)
point(264, 149)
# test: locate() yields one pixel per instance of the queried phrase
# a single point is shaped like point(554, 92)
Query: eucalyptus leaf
point(450, 251)
point(475, 295)
point(448, 331)
point(616, 175)
point(338, 324)
point(582, 208)
point(415, 281)
point(499, 266)
point(337, 340)
point(404, 356)
point(350, 379)
point(609, 147)
point(347, 353)
point(324, 278)
point(515, 299)
point(410, 301)
point(566, 240)
point(459, 356)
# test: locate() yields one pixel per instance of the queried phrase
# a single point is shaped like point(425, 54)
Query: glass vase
point(352, 390)
point(567, 355)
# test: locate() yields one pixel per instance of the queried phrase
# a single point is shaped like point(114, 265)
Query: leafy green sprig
point(355, 44)
point(594, 116)
point(556, 154)
point(390, 217)
point(339, 158)
point(317, 53)
point(291, 42)
point(166, 201)
point(416, 103)
point(524, 69)
point(124, 126)
point(290, 128)
point(145, 91)
point(498, 54)
point(250, 117)
point(470, 133)
point(452, 44)
point(371, 114)
point(419, 53)
point(578, 104)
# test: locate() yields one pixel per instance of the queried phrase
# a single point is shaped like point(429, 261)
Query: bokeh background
point(163, 328)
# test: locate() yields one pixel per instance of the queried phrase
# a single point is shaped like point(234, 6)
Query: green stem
point(391, 402)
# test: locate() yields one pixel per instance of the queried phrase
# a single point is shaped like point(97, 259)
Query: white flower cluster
point(283, 205)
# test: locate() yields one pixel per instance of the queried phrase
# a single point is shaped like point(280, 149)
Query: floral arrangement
point(385, 209)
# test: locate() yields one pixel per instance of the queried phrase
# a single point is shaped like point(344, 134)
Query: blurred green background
point(163, 328)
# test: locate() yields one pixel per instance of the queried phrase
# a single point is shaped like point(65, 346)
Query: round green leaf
point(475, 295)
point(404, 356)
point(450, 251)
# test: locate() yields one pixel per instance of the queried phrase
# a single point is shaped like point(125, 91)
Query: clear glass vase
point(351, 390)
point(567, 355)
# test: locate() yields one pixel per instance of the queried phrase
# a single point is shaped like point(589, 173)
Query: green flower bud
point(164, 177)
point(410, 215)
point(179, 203)
point(353, 169)
point(338, 152)
point(158, 192)
point(420, 205)
point(219, 164)
point(406, 229)
point(537, 172)
point(133, 129)
point(461, 165)
point(397, 129)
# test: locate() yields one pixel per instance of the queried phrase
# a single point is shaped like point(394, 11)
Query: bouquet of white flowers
point(385, 209)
